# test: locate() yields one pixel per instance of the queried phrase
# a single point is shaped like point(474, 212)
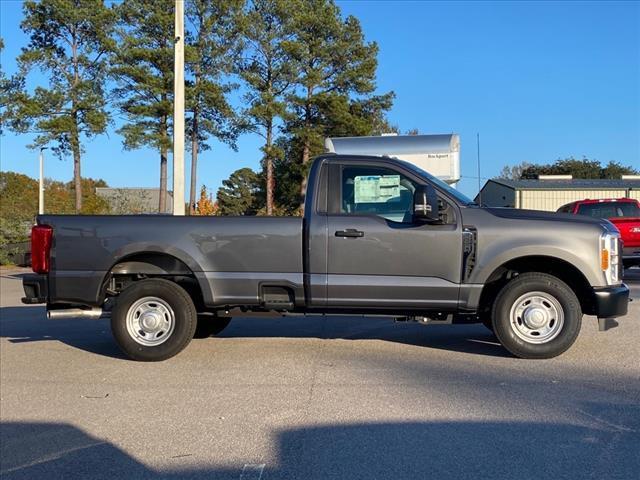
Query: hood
point(518, 214)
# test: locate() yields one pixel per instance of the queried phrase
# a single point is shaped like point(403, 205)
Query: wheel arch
point(150, 264)
point(557, 267)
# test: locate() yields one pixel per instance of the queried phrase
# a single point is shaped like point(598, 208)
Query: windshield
point(609, 209)
point(460, 197)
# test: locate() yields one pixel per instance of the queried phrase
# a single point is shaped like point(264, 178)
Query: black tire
point(553, 287)
point(184, 319)
point(488, 323)
point(210, 325)
point(485, 319)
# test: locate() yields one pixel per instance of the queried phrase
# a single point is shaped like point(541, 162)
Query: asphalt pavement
point(315, 398)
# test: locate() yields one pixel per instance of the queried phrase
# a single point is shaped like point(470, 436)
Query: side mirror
point(425, 204)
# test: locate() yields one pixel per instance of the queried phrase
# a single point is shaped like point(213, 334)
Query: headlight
point(610, 257)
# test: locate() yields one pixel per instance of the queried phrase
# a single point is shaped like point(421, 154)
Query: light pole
point(41, 183)
point(178, 111)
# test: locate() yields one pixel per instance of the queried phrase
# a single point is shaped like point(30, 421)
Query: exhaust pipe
point(92, 313)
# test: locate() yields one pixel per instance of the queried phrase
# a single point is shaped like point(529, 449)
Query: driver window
point(377, 191)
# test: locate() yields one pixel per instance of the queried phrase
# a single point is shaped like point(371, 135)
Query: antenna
point(479, 187)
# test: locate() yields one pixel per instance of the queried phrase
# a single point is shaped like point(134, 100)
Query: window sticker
point(376, 188)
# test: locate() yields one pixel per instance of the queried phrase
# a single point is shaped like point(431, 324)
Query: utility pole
point(41, 184)
point(178, 111)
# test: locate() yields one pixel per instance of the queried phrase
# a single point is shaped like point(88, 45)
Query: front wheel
point(153, 320)
point(536, 315)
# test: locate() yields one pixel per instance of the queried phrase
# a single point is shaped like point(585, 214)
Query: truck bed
point(231, 255)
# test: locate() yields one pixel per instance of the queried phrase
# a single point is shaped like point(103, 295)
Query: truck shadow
point(472, 339)
point(540, 450)
point(25, 324)
point(13, 275)
point(29, 324)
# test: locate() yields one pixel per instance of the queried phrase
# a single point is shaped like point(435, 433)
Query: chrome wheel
point(150, 321)
point(536, 317)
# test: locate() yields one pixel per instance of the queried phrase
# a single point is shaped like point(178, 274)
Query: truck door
point(377, 256)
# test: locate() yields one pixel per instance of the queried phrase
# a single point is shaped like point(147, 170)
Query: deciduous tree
point(205, 206)
point(584, 168)
point(513, 172)
point(19, 202)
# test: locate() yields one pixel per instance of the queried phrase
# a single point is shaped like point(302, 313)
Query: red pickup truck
point(624, 213)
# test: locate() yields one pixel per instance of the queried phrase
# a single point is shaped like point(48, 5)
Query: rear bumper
point(35, 289)
point(611, 302)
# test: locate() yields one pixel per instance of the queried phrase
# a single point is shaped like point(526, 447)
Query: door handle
point(350, 233)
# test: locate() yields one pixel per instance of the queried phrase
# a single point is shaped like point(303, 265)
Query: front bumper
point(611, 302)
point(35, 289)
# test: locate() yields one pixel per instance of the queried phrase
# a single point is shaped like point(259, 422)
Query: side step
point(277, 298)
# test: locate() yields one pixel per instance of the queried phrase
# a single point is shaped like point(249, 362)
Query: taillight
point(41, 236)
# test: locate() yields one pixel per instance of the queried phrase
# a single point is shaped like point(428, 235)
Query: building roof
point(134, 200)
point(573, 184)
point(393, 144)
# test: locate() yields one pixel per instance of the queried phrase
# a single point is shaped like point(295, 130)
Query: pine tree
point(267, 69)
point(212, 47)
point(68, 42)
point(143, 68)
point(237, 196)
point(7, 88)
point(2, 75)
point(333, 60)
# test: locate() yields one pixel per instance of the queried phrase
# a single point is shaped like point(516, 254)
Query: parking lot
point(315, 398)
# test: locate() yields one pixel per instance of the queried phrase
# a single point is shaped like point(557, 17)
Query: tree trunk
point(162, 203)
point(194, 139)
point(268, 148)
point(75, 149)
point(306, 147)
point(194, 165)
point(77, 178)
point(269, 169)
point(305, 159)
point(75, 131)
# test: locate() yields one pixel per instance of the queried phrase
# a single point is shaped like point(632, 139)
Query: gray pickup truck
point(379, 236)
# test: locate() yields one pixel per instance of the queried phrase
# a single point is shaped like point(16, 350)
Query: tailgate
point(629, 228)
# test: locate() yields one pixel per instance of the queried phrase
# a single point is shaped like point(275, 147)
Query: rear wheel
point(153, 320)
point(210, 325)
point(536, 315)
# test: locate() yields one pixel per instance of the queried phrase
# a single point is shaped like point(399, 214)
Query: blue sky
point(538, 81)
